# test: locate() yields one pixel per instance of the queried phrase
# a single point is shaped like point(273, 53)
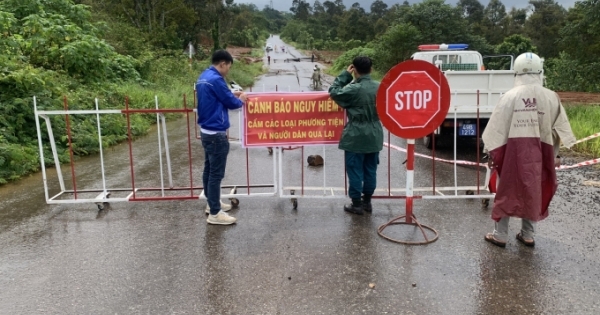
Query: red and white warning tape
point(585, 163)
point(462, 162)
point(459, 162)
point(596, 135)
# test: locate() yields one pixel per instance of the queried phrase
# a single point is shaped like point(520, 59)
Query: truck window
point(455, 59)
point(442, 58)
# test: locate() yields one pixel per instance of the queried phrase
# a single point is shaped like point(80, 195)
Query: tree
point(395, 45)
point(472, 10)
point(494, 15)
point(380, 27)
point(580, 37)
point(357, 6)
point(354, 24)
point(513, 45)
point(293, 30)
point(334, 8)
point(275, 19)
point(438, 22)
point(397, 12)
point(544, 24)
point(378, 9)
point(318, 9)
point(301, 9)
point(170, 22)
point(515, 21)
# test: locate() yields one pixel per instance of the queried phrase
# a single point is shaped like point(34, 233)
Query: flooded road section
point(162, 258)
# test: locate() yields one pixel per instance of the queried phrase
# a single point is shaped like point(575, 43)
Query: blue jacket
point(214, 99)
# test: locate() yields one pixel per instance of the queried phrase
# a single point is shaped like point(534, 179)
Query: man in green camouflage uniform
point(362, 138)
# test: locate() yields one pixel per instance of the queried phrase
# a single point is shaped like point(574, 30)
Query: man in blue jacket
point(214, 100)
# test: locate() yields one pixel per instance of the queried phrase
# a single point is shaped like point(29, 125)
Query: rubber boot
point(366, 203)
point(355, 207)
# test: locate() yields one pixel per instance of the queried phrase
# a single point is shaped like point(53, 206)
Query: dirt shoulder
point(579, 97)
point(244, 54)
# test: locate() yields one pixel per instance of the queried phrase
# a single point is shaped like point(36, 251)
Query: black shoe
point(367, 207)
point(354, 209)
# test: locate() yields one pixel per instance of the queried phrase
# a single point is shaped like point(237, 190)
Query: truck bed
point(492, 84)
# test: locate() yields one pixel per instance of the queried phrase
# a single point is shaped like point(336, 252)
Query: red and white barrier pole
point(410, 179)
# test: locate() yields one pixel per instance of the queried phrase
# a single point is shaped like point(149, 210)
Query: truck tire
point(428, 141)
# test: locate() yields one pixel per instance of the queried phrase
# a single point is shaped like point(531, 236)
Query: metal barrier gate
point(291, 178)
point(101, 196)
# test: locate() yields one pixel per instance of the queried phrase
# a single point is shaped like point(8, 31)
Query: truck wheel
point(428, 141)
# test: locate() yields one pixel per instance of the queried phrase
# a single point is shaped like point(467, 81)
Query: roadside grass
point(257, 53)
point(173, 79)
point(585, 121)
point(245, 74)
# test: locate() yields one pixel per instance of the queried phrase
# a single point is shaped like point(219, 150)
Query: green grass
point(585, 121)
point(245, 74)
point(257, 53)
point(174, 78)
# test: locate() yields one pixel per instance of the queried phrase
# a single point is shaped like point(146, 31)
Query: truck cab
point(474, 90)
point(450, 59)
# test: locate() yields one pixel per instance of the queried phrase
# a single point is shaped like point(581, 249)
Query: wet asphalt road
point(162, 258)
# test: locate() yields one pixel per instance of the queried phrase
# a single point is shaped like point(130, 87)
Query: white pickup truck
point(466, 76)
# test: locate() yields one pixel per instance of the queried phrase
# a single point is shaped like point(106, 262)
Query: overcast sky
point(284, 5)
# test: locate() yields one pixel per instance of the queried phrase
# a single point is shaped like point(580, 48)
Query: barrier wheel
point(295, 203)
point(234, 202)
point(270, 150)
point(470, 192)
point(101, 206)
point(485, 203)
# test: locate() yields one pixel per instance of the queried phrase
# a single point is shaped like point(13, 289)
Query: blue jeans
point(216, 148)
point(362, 173)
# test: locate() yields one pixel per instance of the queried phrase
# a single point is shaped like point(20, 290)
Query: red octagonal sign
point(413, 99)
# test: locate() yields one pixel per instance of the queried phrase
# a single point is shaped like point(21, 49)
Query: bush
point(346, 58)
point(568, 74)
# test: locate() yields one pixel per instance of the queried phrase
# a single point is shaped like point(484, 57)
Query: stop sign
point(413, 99)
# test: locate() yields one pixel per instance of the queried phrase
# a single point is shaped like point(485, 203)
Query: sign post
point(412, 102)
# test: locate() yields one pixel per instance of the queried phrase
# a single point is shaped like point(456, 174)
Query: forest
point(568, 39)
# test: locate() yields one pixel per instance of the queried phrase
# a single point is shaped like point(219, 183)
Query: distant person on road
point(316, 77)
point(214, 101)
point(269, 59)
point(362, 138)
point(522, 138)
point(312, 58)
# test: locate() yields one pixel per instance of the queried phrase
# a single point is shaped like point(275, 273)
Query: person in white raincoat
point(522, 138)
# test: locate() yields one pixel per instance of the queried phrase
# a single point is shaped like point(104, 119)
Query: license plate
point(467, 130)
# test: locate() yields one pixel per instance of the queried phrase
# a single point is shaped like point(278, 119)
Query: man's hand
point(237, 93)
point(491, 164)
point(556, 162)
point(350, 69)
point(243, 97)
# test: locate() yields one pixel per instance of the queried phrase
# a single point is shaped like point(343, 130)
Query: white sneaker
point(221, 218)
point(224, 207)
